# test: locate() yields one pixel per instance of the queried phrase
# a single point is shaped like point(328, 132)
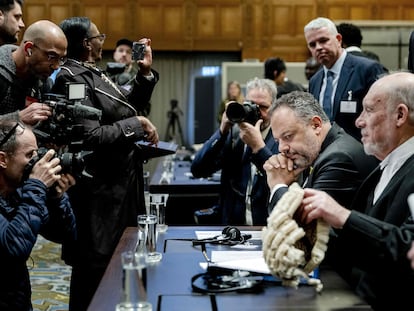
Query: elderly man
point(239, 151)
point(23, 68)
point(33, 201)
point(331, 159)
point(375, 233)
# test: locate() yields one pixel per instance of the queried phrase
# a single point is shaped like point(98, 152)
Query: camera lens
point(235, 112)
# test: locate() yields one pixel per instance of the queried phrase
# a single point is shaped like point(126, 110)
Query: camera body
point(113, 68)
point(246, 112)
point(138, 51)
point(71, 162)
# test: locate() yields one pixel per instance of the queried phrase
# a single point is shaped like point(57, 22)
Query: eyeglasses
point(10, 133)
point(101, 37)
point(52, 56)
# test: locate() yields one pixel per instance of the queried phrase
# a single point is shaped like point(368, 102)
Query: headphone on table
point(229, 236)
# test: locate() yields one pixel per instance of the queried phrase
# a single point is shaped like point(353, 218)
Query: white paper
point(240, 260)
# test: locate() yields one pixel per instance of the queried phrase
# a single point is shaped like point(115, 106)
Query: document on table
point(252, 261)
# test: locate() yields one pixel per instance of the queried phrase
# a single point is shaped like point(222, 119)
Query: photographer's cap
point(124, 41)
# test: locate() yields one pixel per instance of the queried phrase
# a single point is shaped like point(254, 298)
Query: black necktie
point(327, 97)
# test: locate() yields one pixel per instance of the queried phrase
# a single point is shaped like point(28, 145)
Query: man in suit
point(374, 234)
point(351, 75)
point(331, 159)
point(239, 150)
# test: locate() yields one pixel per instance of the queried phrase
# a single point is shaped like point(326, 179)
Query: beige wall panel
point(34, 12)
point(149, 20)
point(230, 21)
point(173, 22)
point(58, 12)
point(206, 22)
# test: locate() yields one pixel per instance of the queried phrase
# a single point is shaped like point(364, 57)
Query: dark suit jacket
point(357, 75)
point(374, 242)
point(340, 168)
point(225, 153)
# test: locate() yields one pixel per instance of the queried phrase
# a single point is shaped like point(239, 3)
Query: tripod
point(173, 121)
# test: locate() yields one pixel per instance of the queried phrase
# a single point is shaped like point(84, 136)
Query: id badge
point(348, 106)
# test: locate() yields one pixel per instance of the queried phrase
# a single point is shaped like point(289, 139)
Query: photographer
point(111, 199)
point(23, 69)
point(28, 207)
point(239, 151)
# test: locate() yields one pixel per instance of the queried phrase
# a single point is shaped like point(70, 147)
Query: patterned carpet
point(49, 276)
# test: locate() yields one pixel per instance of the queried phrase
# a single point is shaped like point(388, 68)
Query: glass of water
point(147, 227)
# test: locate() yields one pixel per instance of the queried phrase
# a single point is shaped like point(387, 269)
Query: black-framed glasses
point(101, 37)
point(10, 133)
point(52, 56)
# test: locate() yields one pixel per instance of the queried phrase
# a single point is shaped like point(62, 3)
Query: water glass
point(147, 228)
point(134, 283)
point(158, 204)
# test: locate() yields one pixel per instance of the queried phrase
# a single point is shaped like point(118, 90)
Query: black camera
point(138, 51)
point(113, 68)
point(72, 163)
point(246, 112)
point(64, 125)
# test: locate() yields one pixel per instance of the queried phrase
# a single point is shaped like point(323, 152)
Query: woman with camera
point(111, 198)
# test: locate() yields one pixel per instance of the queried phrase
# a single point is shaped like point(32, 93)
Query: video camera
point(246, 112)
point(63, 126)
point(63, 130)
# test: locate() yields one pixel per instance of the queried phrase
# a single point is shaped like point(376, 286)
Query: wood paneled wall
point(257, 28)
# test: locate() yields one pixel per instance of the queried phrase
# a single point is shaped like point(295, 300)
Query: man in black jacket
point(29, 206)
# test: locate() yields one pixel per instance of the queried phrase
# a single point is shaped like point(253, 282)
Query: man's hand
point(64, 183)
point(251, 135)
point(280, 170)
point(34, 113)
point(47, 169)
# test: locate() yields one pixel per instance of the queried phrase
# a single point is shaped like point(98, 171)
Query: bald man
point(23, 69)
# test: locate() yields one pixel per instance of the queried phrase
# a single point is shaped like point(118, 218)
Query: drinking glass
point(158, 204)
point(147, 227)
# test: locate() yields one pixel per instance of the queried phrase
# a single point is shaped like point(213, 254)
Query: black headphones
point(218, 280)
point(229, 236)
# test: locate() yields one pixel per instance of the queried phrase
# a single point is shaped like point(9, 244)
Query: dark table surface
point(186, 193)
point(181, 180)
point(169, 282)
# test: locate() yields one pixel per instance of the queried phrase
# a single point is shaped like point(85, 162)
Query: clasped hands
point(281, 170)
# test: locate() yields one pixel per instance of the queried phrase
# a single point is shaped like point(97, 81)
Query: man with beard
point(345, 78)
point(11, 21)
point(24, 67)
point(329, 158)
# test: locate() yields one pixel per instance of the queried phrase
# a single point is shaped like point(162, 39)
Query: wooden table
point(169, 282)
